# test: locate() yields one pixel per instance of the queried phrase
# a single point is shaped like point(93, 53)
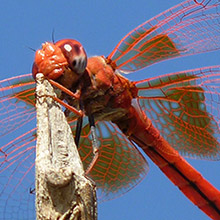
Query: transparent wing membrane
point(15, 94)
point(120, 166)
point(185, 29)
point(17, 155)
point(185, 108)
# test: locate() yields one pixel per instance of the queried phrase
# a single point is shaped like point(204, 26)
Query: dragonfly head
point(74, 54)
point(53, 59)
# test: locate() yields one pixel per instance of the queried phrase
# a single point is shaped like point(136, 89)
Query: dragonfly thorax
point(104, 93)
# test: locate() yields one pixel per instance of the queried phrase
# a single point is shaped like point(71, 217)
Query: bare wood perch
point(62, 190)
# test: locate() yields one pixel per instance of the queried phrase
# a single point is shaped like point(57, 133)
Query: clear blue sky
point(99, 25)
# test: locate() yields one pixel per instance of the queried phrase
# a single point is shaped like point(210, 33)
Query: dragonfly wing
point(120, 166)
point(17, 156)
point(187, 28)
point(17, 177)
point(185, 107)
point(17, 100)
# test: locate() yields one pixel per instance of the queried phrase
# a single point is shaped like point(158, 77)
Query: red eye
point(74, 53)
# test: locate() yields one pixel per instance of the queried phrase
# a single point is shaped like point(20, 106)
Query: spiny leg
point(95, 144)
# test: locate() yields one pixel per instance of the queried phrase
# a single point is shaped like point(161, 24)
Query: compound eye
point(75, 54)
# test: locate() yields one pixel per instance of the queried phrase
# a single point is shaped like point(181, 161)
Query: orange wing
point(120, 165)
point(17, 156)
point(119, 168)
point(184, 107)
point(185, 29)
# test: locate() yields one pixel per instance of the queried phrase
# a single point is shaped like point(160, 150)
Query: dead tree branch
point(62, 190)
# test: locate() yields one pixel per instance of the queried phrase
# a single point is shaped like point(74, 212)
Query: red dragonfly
point(177, 111)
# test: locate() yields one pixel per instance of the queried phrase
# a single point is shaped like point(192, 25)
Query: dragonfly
point(165, 116)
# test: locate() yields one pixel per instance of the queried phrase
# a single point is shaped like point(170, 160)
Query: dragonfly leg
point(68, 92)
point(95, 144)
point(32, 191)
point(67, 106)
point(79, 125)
point(65, 90)
point(78, 130)
point(93, 162)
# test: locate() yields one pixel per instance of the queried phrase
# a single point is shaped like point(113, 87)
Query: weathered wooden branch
point(62, 190)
